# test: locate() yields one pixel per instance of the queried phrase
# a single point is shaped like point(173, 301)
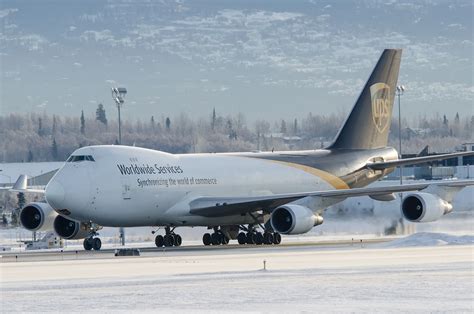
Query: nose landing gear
point(92, 243)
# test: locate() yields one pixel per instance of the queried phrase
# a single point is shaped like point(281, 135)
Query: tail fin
point(368, 124)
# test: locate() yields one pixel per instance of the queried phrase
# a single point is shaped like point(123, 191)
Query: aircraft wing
point(414, 161)
point(227, 206)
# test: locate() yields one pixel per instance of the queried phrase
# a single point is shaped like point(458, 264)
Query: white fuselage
point(129, 186)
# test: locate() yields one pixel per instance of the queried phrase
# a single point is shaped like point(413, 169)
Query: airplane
point(251, 197)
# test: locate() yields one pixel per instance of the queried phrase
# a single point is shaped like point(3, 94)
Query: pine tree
point(213, 122)
point(54, 150)
point(30, 156)
point(230, 130)
point(152, 123)
point(53, 131)
point(100, 114)
point(283, 127)
point(295, 127)
point(83, 123)
point(21, 201)
point(445, 121)
point(168, 123)
point(40, 127)
point(457, 125)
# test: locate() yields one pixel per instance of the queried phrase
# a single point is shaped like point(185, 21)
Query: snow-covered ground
point(429, 239)
point(296, 279)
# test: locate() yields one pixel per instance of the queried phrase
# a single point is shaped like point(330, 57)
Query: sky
point(266, 59)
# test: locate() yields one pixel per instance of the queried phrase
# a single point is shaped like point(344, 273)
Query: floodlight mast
point(118, 95)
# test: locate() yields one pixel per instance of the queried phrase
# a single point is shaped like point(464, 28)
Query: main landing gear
point(215, 238)
point(170, 239)
point(258, 238)
point(92, 243)
point(247, 236)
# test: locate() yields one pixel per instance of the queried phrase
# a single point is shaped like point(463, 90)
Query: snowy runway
point(421, 279)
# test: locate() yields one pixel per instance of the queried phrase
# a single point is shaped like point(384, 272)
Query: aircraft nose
point(68, 193)
point(55, 194)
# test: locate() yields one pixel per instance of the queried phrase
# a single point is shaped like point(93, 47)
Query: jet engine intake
point(70, 229)
point(37, 216)
point(424, 207)
point(294, 219)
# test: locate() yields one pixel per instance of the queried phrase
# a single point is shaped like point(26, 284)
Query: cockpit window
point(78, 158)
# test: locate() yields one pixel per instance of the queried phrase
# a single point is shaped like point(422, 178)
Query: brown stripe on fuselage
point(333, 180)
point(342, 169)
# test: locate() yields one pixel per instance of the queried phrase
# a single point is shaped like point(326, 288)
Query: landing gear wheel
point(159, 241)
point(258, 238)
point(96, 244)
point(250, 238)
point(87, 244)
point(276, 238)
point(206, 239)
point(225, 240)
point(215, 239)
point(168, 240)
point(221, 238)
point(242, 238)
point(177, 240)
point(268, 238)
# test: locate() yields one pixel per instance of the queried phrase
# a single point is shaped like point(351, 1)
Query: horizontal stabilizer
point(414, 161)
point(21, 186)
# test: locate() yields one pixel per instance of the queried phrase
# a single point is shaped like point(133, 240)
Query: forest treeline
point(26, 137)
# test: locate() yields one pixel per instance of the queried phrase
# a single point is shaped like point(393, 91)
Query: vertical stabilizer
point(368, 124)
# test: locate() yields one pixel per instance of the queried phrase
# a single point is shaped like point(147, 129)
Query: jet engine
point(424, 207)
point(37, 216)
point(294, 219)
point(70, 229)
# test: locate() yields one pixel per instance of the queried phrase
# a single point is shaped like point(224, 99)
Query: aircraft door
point(126, 188)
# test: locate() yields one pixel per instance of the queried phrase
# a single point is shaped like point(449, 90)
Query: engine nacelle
point(294, 219)
point(424, 207)
point(37, 216)
point(70, 229)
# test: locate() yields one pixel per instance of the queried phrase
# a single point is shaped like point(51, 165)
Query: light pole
point(118, 95)
point(400, 91)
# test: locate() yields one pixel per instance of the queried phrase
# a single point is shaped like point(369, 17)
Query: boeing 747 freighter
point(252, 197)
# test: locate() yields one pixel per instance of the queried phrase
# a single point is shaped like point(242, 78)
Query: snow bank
point(429, 239)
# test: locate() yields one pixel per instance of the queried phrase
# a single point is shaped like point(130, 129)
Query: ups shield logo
point(381, 109)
